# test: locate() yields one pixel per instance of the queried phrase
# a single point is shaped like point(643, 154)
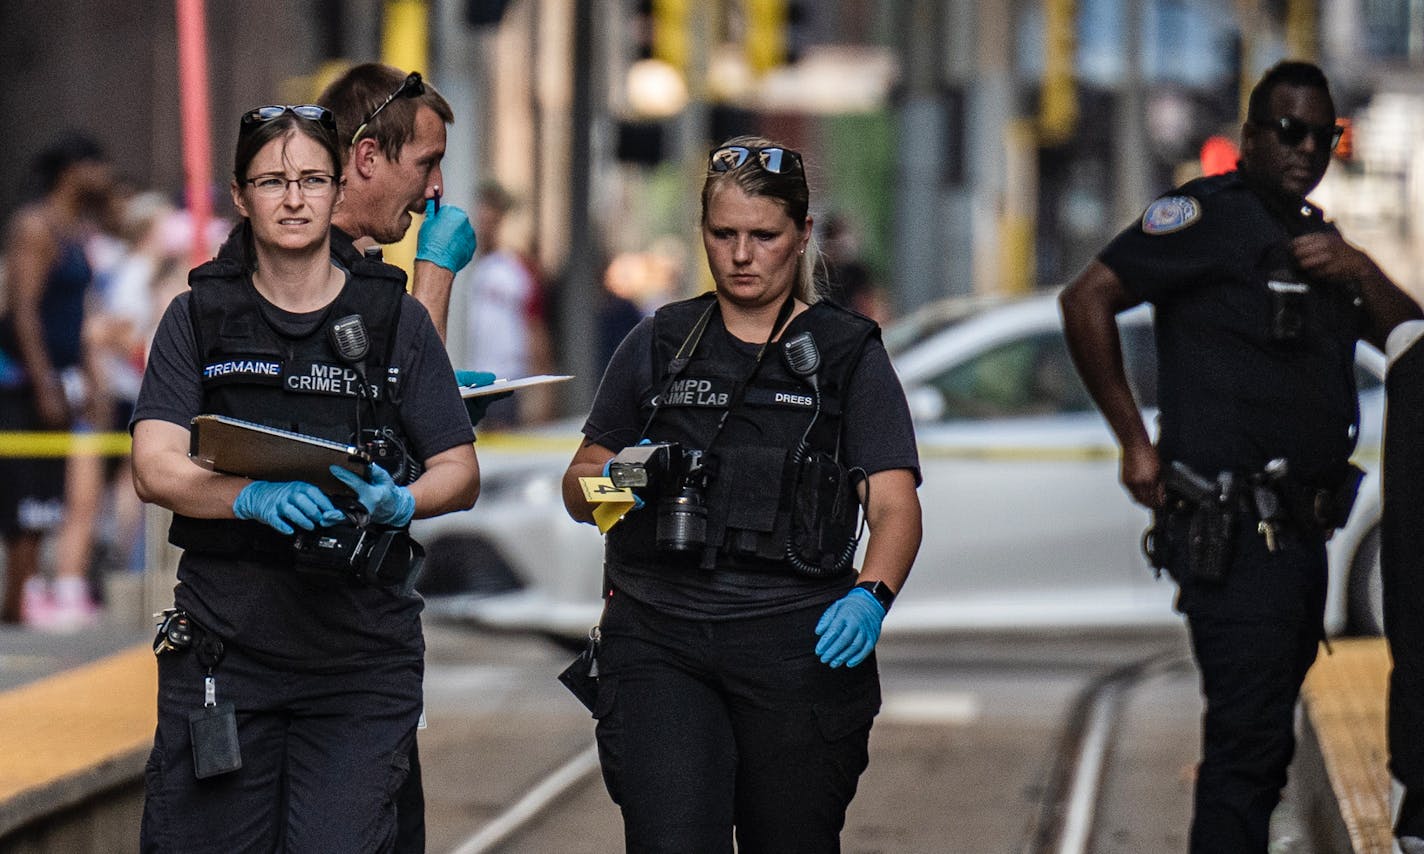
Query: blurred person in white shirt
point(505, 326)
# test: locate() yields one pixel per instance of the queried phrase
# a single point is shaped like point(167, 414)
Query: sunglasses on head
point(411, 87)
point(310, 112)
point(777, 161)
point(1291, 132)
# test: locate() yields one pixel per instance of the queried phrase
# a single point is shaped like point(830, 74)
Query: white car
point(1026, 525)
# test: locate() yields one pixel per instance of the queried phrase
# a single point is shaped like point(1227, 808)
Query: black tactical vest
point(749, 493)
point(252, 371)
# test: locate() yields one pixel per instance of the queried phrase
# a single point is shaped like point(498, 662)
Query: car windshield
point(930, 321)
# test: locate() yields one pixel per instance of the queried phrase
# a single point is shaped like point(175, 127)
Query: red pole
point(197, 136)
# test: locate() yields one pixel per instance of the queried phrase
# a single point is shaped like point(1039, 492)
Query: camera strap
point(783, 317)
point(679, 362)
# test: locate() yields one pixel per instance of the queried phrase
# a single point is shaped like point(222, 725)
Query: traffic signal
point(661, 31)
point(775, 32)
point(1058, 92)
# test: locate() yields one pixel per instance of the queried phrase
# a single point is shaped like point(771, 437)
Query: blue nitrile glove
point(387, 503)
point(282, 504)
point(849, 628)
point(445, 238)
point(478, 406)
point(638, 501)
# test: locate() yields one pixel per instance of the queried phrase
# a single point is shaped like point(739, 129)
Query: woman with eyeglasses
point(756, 427)
point(290, 667)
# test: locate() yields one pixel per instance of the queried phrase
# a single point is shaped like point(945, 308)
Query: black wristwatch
point(881, 591)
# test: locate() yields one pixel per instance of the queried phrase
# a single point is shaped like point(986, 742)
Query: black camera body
point(649, 467)
point(353, 550)
point(341, 546)
point(676, 478)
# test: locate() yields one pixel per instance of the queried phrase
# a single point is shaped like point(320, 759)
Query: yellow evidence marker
point(610, 502)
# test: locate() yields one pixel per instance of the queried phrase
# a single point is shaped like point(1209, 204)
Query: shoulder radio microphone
point(353, 344)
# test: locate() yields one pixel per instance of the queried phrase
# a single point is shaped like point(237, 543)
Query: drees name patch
point(780, 397)
point(1170, 213)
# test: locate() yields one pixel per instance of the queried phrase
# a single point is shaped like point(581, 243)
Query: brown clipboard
point(247, 449)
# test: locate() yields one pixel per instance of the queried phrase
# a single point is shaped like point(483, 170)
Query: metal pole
point(578, 342)
point(458, 62)
point(918, 248)
point(197, 135)
point(1131, 150)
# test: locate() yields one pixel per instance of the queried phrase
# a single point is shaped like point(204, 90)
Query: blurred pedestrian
point(615, 311)
point(737, 682)
point(849, 279)
point(43, 385)
point(392, 131)
point(1258, 303)
point(506, 326)
point(117, 331)
point(290, 677)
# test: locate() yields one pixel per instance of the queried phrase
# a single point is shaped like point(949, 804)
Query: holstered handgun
point(1212, 529)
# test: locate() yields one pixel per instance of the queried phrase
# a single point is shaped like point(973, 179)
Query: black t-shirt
point(878, 436)
point(276, 612)
point(1213, 259)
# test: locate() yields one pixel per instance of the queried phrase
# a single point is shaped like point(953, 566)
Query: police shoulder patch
point(1170, 213)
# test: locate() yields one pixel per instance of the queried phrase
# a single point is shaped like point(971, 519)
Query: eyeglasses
point(310, 112)
point(411, 87)
point(315, 185)
point(778, 161)
point(1291, 132)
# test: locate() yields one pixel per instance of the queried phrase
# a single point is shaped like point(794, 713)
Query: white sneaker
point(70, 608)
point(35, 602)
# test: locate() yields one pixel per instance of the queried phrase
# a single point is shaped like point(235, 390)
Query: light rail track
point(1069, 804)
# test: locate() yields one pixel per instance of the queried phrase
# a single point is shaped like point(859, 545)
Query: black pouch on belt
point(1210, 537)
point(581, 676)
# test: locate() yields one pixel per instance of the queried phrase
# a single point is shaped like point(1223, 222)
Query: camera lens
point(682, 521)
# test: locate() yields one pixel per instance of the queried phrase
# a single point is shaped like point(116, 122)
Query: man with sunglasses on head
point(1259, 302)
point(391, 126)
point(392, 131)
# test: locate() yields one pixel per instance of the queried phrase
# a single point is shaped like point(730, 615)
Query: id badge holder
point(213, 728)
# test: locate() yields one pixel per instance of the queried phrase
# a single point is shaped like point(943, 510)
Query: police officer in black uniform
point(736, 684)
point(1259, 302)
point(290, 670)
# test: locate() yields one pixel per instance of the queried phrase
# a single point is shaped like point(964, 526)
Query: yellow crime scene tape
point(57, 443)
point(117, 444)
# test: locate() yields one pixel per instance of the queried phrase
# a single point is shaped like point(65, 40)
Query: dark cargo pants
point(705, 726)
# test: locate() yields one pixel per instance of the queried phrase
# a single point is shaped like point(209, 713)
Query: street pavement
point(962, 753)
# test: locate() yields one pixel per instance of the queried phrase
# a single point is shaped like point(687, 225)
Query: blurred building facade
point(977, 146)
